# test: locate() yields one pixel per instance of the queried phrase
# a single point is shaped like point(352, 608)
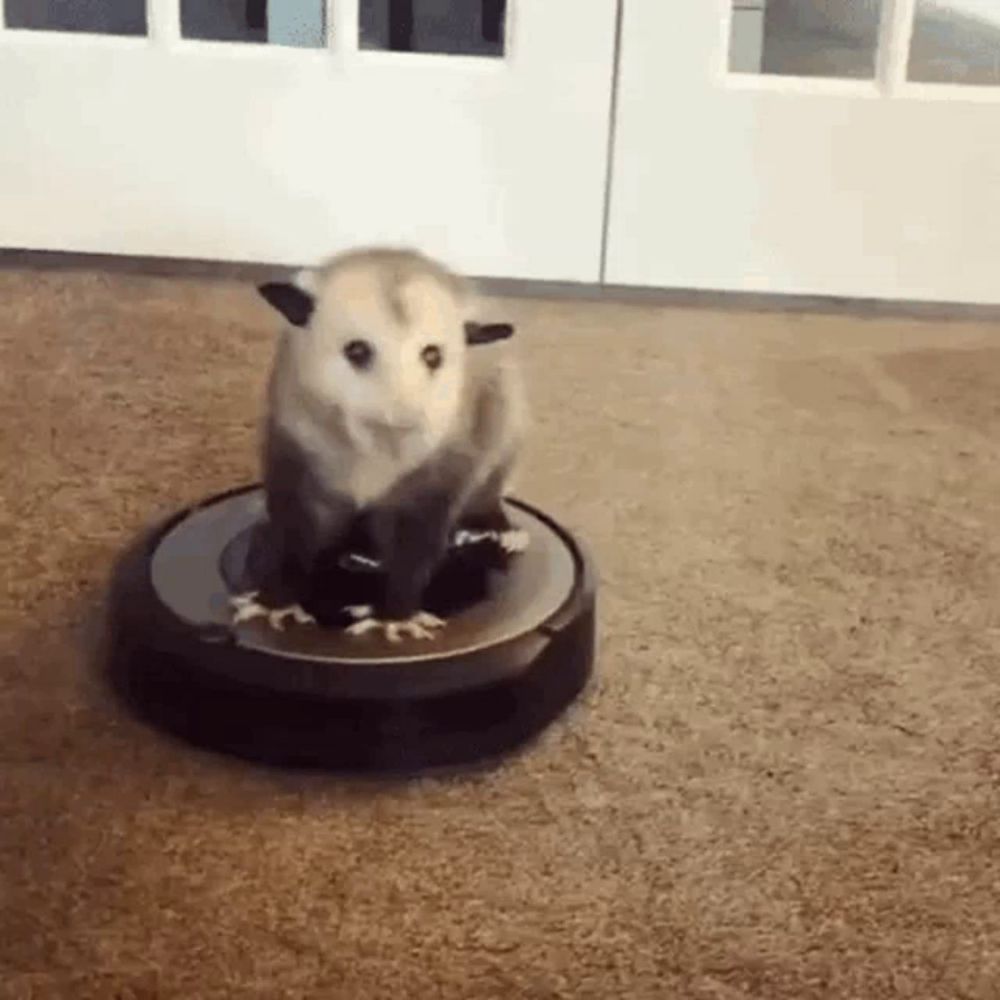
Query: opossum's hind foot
point(246, 607)
point(513, 541)
point(422, 625)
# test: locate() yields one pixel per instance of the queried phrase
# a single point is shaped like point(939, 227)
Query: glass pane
point(281, 22)
point(956, 41)
point(106, 17)
point(451, 27)
point(833, 38)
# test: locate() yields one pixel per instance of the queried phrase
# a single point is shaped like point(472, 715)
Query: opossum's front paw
point(422, 625)
point(246, 607)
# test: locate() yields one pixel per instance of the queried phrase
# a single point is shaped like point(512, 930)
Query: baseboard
point(44, 260)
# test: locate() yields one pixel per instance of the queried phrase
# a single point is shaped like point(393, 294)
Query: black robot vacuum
point(515, 653)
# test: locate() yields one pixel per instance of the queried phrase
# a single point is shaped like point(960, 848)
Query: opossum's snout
point(401, 420)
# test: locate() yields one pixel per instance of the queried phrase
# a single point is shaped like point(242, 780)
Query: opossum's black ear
point(290, 300)
point(487, 333)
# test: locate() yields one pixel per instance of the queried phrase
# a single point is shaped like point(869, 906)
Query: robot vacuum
point(505, 666)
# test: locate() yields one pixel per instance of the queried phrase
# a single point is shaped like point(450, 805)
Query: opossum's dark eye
point(432, 356)
point(360, 353)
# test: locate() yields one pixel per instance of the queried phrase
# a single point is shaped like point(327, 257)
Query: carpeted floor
point(782, 784)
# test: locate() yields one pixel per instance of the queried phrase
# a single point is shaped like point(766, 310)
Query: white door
point(282, 130)
point(823, 162)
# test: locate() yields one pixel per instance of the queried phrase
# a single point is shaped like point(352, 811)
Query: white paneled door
point(280, 130)
point(834, 147)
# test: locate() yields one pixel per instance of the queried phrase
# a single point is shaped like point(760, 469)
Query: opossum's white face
point(390, 355)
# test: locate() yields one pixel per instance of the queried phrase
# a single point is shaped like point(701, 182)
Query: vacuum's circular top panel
point(187, 575)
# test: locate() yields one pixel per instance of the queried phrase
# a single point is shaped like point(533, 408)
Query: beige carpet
point(782, 784)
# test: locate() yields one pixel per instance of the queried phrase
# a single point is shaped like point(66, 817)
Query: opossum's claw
point(422, 625)
point(246, 607)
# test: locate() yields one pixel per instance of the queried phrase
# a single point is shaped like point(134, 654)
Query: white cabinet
point(863, 187)
point(158, 144)
point(787, 146)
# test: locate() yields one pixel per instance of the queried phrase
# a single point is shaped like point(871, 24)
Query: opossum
point(387, 400)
